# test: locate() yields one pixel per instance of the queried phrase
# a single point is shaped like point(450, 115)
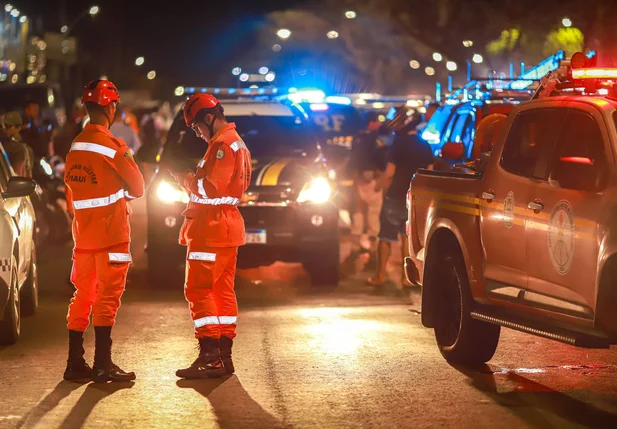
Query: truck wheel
point(162, 272)
point(30, 289)
point(460, 338)
point(10, 326)
point(323, 265)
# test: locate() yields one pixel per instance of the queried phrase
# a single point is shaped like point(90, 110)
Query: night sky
point(185, 41)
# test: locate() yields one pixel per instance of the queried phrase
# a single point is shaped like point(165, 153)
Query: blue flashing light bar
point(538, 72)
point(591, 54)
point(337, 99)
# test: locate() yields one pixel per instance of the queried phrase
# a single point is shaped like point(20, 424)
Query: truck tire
point(30, 289)
point(460, 338)
point(323, 265)
point(10, 326)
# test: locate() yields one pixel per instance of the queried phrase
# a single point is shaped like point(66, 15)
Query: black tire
point(10, 326)
point(323, 265)
point(460, 338)
point(163, 272)
point(30, 289)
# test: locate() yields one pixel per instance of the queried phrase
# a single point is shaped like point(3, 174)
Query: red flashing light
point(577, 160)
point(595, 73)
point(578, 60)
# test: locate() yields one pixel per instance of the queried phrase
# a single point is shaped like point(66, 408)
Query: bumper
point(290, 231)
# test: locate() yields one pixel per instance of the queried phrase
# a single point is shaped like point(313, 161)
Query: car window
point(579, 155)
point(529, 146)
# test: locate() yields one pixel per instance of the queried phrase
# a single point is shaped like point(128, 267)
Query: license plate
point(256, 237)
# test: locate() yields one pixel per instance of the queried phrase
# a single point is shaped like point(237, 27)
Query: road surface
point(351, 357)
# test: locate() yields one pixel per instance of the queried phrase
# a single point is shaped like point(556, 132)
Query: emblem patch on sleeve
point(220, 154)
point(128, 154)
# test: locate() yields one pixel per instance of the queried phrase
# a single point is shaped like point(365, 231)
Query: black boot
point(226, 345)
point(208, 364)
point(104, 369)
point(76, 367)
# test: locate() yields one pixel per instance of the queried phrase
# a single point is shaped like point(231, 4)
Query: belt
point(230, 201)
point(99, 202)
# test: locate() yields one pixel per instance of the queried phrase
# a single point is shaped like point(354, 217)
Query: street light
point(263, 70)
point(467, 43)
point(23, 19)
point(244, 77)
point(8, 7)
point(283, 33)
point(93, 10)
point(350, 14)
point(236, 71)
point(64, 29)
point(270, 77)
point(567, 22)
point(277, 48)
point(451, 65)
point(414, 64)
point(15, 13)
point(429, 71)
point(179, 91)
point(437, 56)
point(477, 58)
point(139, 61)
point(332, 34)
point(151, 74)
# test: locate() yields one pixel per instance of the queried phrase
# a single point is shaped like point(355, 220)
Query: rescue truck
point(528, 242)
point(289, 208)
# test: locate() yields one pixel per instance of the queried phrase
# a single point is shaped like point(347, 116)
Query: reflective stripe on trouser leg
point(209, 291)
point(225, 294)
point(111, 278)
point(83, 277)
point(200, 295)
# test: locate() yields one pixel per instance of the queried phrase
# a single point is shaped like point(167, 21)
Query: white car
point(18, 271)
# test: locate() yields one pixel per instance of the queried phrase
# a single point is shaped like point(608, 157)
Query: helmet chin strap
point(211, 126)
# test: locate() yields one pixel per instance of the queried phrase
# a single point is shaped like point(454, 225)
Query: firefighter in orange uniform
point(213, 230)
point(101, 177)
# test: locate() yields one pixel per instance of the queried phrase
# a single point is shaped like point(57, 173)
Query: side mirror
point(580, 173)
point(19, 187)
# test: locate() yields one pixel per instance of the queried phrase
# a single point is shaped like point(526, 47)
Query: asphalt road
point(344, 358)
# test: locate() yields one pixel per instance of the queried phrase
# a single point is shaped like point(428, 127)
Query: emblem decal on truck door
point(508, 210)
point(561, 237)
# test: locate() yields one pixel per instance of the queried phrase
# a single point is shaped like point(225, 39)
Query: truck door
point(562, 246)
point(506, 190)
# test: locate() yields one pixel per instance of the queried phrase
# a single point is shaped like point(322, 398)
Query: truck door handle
point(488, 196)
point(536, 206)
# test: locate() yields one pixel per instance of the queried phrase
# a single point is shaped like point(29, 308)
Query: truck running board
point(572, 338)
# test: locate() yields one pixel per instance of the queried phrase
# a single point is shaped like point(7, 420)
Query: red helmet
point(101, 92)
point(197, 103)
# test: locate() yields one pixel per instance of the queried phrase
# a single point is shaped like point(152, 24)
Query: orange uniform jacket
point(101, 175)
point(223, 175)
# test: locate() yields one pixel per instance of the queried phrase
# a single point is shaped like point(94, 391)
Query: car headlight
point(170, 194)
point(317, 191)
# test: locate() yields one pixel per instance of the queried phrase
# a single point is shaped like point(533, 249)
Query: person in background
point(367, 163)
point(20, 154)
point(130, 119)
point(125, 132)
point(407, 154)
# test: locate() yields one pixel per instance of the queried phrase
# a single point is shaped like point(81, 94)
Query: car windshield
point(265, 136)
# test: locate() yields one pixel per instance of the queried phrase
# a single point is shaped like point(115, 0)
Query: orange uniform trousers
point(209, 289)
point(99, 279)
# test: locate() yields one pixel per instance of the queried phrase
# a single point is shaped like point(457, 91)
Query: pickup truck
point(530, 242)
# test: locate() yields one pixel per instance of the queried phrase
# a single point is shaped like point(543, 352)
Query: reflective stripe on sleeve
point(215, 201)
point(120, 257)
point(208, 320)
point(201, 163)
point(93, 147)
point(99, 202)
point(202, 256)
point(200, 186)
point(235, 146)
point(228, 320)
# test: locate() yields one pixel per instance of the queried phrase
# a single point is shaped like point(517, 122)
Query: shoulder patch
point(128, 154)
point(220, 154)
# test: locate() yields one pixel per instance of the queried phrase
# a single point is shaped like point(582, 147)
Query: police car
point(288, 210)
point(18, 271)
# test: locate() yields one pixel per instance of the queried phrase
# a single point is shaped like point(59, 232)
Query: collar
point(98, 128)
point(223, 129)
